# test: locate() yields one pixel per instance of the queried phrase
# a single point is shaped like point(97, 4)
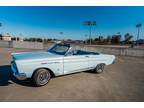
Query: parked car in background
point(60, 59)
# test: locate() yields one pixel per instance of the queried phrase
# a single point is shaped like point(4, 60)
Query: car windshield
point(59, 49)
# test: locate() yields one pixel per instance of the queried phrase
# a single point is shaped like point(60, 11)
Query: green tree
point(127, 37)
point(100, 38)
point(109, 39)
point(39, 40)
point(116, 39)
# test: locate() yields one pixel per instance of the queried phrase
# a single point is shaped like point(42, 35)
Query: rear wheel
point(99, 68)
point(41, 77)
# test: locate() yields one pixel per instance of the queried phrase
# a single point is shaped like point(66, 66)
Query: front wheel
point(41, 77)
point(99, 68)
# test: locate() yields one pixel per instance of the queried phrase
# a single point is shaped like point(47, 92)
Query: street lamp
point(138, 26)
point(90, 24)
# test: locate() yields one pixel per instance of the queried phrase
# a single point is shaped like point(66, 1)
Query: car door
point(75, 63)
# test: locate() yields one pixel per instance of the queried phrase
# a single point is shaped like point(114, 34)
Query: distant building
point(20, 39)
point(5, 37)
point(74, 41)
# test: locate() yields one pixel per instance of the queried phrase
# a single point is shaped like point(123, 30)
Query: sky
point(49, 21)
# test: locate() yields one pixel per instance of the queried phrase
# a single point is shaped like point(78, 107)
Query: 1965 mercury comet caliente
point(58, 60)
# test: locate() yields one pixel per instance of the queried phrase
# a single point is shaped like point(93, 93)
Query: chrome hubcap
point(100, 68)
point(43, 77)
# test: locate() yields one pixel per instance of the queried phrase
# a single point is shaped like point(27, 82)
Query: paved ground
point(123, 81)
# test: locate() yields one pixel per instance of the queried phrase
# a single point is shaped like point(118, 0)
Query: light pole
point(86, 39)
point(90, 24)
point(138, 26)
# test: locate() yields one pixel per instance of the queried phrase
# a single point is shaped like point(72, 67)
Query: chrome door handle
point(86, 56)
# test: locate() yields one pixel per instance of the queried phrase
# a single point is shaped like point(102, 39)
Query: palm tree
point(138, 26)
point(90, 24)
point(127, 37)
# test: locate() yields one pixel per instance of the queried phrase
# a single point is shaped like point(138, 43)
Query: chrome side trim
point(79, 70)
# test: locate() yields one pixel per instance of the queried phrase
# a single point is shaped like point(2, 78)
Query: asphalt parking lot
point(123, 81)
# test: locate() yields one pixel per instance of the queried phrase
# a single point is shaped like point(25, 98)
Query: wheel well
point(51, 72)
point(102, 63)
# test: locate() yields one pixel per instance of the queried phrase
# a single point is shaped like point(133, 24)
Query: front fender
point(28, 67)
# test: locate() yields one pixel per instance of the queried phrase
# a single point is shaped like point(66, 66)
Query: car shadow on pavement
point(6, 77)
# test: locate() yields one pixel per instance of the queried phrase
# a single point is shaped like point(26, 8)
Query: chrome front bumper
point(19, 76)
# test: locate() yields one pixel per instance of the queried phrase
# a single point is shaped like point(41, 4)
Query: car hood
point(33, 55)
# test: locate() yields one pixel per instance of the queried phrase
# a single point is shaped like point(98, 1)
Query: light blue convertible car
point(60, 59)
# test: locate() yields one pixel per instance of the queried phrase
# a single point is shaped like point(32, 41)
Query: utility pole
point(90, 24)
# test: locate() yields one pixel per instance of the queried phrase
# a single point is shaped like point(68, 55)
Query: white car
point(58, 60)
